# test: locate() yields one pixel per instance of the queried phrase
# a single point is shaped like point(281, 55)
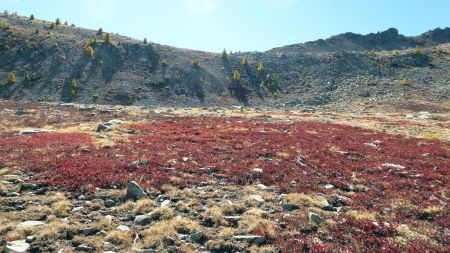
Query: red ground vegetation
point(297, 157)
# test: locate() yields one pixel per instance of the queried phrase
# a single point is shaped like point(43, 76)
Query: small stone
point(317, 219)
point(329, 186)
point(28, 187)
point(168, 241)
point(255, 239)
point(198, 237)
point(135, 192)
point(41, 191)
point(280, 197)
point(89, 231)
point(166, 203)
point(109, 203)
point(289, 207)
point(329, 208)
point(109, 217)
point(262, 187)
point(102, 128)
point(19, 246)
point(30, 238)
point(257, 198)
point(258, 170)
point(30, 224)
point(185, 159)
point(392, 166)
point(84, 247)
point(142, 220)
point(77, 209)
point(123, 228)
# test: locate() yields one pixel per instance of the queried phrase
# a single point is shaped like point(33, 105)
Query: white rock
point(123, 228)
point(165, 203)
point(329, 186)
point(262, 187)
point(16, 247)
point(257, 198)
point(30, 224)
point(392, 166)
point(257, 170)
point(76, 209)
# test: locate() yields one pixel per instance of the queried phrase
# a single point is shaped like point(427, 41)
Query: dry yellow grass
point(215, 215)
point(406, 234)
point(61, 208)
point(55, 230)
point(431, 211)
point(254, 219)
point(161, 213)
point(154, 234)
point(144, 205)
point(303, 200)
point(229, 208)
point(227, 232)
point(126, 207)
point(362, 215)
point(119, 238)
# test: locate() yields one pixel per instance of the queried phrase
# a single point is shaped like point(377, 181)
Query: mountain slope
point(342, 69)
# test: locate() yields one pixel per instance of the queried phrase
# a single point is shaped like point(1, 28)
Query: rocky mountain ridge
point(47, 60)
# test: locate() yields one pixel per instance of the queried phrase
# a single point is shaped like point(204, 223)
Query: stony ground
point(131, 179)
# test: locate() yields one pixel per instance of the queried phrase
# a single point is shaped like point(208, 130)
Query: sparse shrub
point(92, 42)
point(394, 63)
point(26, 76)
point(260, 68)
point(73, 87)
point(61, 208)
point(144, 205)
point(100, 31)
point(52, 26)
point(145, 41)
point(12, 78)
point(89, 51)
point(36, 31)
point(5, 13)
point(224, 55)
point(119, 238)
point(66, 23)
point(164, 62)
point(162, 213)
point(430, 212)
point(438, 50)
point(236, 75)
point(417, 50)
point(108, 38)
point(273, 85)
point(246, 61)
point(58, 22)
point(406, 82)
point(32, 17)
point(96, 97)
point(262, 86)
point(1, 24)
point(196, 62)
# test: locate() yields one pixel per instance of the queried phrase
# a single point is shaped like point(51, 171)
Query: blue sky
point(245, 25)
